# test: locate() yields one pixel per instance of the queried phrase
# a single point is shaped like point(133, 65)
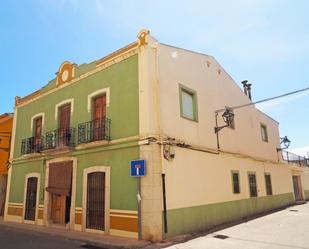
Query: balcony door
point(37, 134)
point(64, 134)
point(99, 115)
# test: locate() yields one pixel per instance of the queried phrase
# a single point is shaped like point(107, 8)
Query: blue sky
point(264, 41)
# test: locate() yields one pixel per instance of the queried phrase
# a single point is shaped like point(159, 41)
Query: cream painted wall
point(215, 90)
point(197, 178)
point(305, 179)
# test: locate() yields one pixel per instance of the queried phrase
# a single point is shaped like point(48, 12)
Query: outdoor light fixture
point(285, 141)
point(228, 117)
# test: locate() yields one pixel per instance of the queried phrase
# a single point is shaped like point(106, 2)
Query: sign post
point(138, 170)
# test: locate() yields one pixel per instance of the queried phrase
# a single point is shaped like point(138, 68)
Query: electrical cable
point(265, 100)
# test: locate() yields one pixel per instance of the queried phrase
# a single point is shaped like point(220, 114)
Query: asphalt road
point(11, 238)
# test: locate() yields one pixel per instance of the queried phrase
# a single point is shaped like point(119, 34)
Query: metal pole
point(139, 207)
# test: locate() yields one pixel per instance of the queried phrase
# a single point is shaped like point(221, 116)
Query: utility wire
point(265, 100)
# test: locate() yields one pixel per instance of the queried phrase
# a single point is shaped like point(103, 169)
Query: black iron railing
point(31, 145)
point(95, 130)
point(64, 137)
point(293, 158)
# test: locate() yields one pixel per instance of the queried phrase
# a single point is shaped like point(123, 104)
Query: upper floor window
point(235, 179)
point(269, 190)
point(252, 184)
point(264, 133)
point(99, 107)
point(65, 116)
point(188, 103)
point(37, 126)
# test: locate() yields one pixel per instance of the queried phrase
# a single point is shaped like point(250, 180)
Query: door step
point(300, 202)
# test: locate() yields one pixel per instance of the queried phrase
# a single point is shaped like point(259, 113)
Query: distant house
point(6, 121)
point(77, 143)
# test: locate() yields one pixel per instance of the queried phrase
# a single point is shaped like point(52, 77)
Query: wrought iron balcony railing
point(293, 158)
point(95, 130)
point(32, 145)
point(64, 137)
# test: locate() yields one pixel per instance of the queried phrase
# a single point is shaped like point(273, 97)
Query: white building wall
point(215, 90)
point(197, 178)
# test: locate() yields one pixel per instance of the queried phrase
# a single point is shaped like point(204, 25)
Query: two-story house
point(74, 139)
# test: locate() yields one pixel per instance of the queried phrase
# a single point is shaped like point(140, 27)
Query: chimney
point(247, 89)
point(244, 83)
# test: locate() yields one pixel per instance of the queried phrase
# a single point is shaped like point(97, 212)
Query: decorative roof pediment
point(66, 73)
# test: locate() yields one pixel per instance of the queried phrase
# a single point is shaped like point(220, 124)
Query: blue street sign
point(138, 168)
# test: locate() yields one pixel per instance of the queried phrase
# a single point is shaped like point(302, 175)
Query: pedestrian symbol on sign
point(138, 168)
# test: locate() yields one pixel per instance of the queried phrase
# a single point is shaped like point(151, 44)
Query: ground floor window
point(235, 182)
point(252, 184)
point(95, 200)
point(269, 190)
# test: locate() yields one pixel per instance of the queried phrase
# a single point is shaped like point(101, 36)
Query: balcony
point(295, 159)
point(60, 138)
point(32, 145)
point(95, 130)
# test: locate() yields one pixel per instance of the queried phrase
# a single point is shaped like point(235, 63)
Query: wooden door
point(99, 114)
point(58, 208)
point(297, 188)
point(64, 135)
point(30, 208)
point(38, 134)
point(95, 217)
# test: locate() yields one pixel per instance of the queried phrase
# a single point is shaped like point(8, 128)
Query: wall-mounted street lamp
point(285, 142)
point(228, 117)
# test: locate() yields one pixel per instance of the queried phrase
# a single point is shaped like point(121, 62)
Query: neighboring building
point(74, 140)
point(6, 122)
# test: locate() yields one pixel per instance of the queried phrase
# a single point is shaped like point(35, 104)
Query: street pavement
point(11, 238)
point(285, 229)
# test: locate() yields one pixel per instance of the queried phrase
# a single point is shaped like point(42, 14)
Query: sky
point(263, 41)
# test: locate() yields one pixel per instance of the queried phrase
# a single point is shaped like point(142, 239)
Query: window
point(235, 179)
point(264, 133)
point(188, 103)
point(269, 190)
point(252, 184)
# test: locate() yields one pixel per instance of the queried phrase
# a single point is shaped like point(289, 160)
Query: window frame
point(256, 185)
point(233, 183)
point(264, 127)
point(193, 93)
point(268, 185)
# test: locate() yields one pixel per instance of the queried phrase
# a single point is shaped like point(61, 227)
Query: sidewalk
point(104, 241)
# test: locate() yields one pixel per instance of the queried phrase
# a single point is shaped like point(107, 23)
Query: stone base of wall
point(307, 195)
point(202, 218)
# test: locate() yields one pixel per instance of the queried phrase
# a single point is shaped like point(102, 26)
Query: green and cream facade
point(147, 88)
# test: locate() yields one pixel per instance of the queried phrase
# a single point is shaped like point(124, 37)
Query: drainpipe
point(164, 204)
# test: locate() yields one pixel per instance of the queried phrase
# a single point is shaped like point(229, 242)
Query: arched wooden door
point(30, 208)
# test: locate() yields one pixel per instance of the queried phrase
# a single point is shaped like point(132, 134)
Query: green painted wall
point(123, 187)
point(307, 195)
point(122, 78)
point(19, 173)
point(199, 218)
